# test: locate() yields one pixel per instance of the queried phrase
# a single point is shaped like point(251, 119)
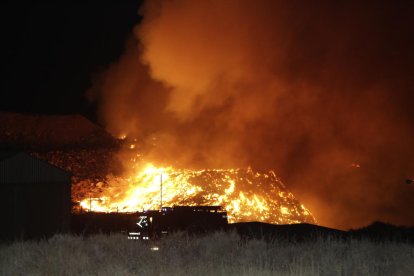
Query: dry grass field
point(214, 254)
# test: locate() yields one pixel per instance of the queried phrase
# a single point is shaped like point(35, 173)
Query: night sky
point(323, 94)
point(52, 50)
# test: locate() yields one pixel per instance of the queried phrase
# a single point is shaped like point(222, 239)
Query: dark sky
point(51, 51)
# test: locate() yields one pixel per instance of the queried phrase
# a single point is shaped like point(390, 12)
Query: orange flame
point(245, 195)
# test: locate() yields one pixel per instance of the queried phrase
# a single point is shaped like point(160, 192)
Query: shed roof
point(21, 168)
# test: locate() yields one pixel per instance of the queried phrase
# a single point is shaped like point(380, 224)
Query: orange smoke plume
point(304, 88)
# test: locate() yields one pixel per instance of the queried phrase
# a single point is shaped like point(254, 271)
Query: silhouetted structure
point(36, 197)
point(152, 223)
point(87, 223)
point(193, 219)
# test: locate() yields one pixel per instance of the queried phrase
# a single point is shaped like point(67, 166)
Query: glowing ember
point(122, 136)
point(246, 195)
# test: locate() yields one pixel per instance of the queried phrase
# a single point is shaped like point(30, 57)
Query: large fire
point(246, 195)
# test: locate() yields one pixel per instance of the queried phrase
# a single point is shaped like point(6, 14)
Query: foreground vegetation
point(214, 254)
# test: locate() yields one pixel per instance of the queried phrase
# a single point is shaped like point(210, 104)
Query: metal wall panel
point(36, 198)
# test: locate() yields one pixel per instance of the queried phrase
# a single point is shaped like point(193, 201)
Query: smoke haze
point(304, 88)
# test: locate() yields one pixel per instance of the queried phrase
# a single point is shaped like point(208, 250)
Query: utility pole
point(161, 191)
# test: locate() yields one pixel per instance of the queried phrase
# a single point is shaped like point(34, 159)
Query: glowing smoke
point(307, 89)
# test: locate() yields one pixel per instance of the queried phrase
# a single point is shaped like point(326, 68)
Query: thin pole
point(161, 190)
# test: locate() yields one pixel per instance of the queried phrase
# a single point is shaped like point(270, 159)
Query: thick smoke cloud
point(305, 88)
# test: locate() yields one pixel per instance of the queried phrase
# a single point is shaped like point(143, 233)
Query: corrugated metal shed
point(35, 197)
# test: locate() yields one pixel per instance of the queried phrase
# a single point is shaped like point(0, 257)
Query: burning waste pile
point(233, 102)
point(245, 195)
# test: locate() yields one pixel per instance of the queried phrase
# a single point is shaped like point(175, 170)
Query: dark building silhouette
point(35, 197)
